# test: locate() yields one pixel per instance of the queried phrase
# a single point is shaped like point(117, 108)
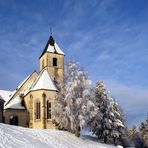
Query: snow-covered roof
point(11, 96)
point(28, 88)
point(1, 98)
point(58, 49)
point(6, 95)
point(15, 103)
point(118, 123)
point(20, 85)
point(52, 47)
point(44, 82)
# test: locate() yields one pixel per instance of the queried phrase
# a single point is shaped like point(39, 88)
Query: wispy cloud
point(108, 38)
point(133, 99)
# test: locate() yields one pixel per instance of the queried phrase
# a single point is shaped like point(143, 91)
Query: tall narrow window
point(38, 110)
point(48, 110)
point(54, 61)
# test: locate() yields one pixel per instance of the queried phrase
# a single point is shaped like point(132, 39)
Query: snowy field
point(19, 137)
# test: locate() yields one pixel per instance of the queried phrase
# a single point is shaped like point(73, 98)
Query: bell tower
point(52, 59)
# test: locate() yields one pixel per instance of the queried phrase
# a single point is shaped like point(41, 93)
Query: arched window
point(23, 103)
point(54, 61)
point(3, 119)
point(48, 110)
point(38, 110)
point(13, 120)
point(16, 120)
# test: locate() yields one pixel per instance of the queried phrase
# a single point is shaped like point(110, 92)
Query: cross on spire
point(50, 31)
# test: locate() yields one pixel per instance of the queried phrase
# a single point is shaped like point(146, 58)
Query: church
point(32, 103)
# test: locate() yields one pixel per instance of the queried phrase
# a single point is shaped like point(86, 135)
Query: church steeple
point(52, 59)
point(51, 46)
point(51, 41)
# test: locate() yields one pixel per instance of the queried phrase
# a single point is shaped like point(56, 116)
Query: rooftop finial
point(50, 31)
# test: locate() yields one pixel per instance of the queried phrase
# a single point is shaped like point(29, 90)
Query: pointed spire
point(50, 41)
point(51, 46)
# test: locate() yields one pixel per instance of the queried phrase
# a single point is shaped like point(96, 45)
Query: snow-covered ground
point(19, 137)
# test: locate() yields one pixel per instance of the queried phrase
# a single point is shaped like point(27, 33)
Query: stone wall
point(56, 72)
point(41, 96)
point(23, 118)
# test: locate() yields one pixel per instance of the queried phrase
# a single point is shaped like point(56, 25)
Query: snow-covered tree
point(144, 132)
point(117, 119)
point(108, 122)
point(134, 136)
point(61, 117)
point(74, 106)
point(125, 140)
point(132, 132)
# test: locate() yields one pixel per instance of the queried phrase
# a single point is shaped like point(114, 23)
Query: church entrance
point(13, 120)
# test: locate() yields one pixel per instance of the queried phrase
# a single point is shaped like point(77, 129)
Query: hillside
point(13, 136)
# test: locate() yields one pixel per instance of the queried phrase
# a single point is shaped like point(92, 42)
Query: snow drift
point(14, 137)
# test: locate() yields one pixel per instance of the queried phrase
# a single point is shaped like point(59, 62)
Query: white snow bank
point(19, 137)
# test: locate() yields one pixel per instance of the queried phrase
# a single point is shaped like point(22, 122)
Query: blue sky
point(108, 38)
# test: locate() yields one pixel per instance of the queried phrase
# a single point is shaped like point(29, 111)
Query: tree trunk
point(77, 133)
point(114, 140)
point(105, 139)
